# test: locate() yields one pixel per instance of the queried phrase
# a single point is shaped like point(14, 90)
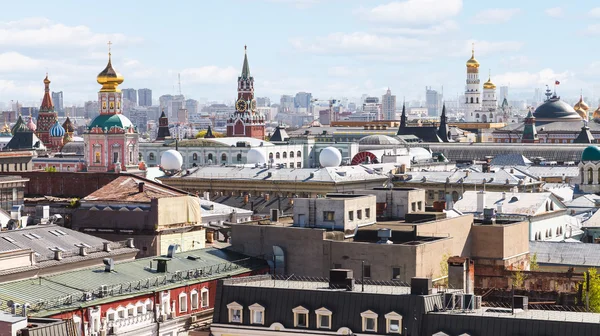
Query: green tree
point(444, 269)
point(50, 169)
point(594, 290)
point(534, 266)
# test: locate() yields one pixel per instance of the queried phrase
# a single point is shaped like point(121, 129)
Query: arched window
point(467, 100)
point(285, 155)
point(151, 157)
point(590, 176)
point(598, 175)
point(277, 156)
point(210, 156)
point(477, 116)
point(557, 231)
point(547, 206)
point(471, 100)
point(299, 154)
point(582, 175)
point(477, 100)
point(195, 157)
point(239, 157)
point(291, 154)
point(270, 155)
point(491, 115)
point(223, 157)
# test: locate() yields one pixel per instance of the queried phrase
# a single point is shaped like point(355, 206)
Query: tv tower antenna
point(179, 82)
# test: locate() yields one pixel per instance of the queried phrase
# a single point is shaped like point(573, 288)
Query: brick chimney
point(141, 187)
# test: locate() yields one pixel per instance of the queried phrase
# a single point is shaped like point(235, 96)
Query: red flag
point(556, 83)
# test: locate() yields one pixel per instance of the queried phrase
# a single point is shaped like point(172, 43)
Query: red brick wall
point(63, 184)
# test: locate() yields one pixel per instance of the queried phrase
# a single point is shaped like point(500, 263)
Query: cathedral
point(111, 140)
point(246, 121)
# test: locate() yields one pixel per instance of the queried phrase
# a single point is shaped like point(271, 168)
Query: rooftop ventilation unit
point(109, 264)
point(384, 236)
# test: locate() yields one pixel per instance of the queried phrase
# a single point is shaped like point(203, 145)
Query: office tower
point(191, 105)
point(145, 97)
point(130, 95)
point(503, 93)
point(302, 99)
point(286, 103)
point(433, 102)
point(263, 101)
point(388, 105)
point(57, 99)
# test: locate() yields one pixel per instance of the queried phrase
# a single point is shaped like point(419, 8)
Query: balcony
point(130, 323)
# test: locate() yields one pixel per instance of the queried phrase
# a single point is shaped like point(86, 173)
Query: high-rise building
point(372, 108)
point(263, 101)
point(130, 95)
point(191, 105)
point(433, 101)
point(59, 103)
point(145, 97)
point(302, 99)
point(286, 103)
point(91, 109)
point(503, 92)
point(388, 105)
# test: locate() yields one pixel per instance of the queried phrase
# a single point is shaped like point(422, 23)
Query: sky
point(332, 48)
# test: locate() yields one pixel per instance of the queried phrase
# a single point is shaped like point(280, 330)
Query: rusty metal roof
point(127, 189)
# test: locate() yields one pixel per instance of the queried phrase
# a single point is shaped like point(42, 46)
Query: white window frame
point(148, 305)
point(194, 299)
point(112, 312)
point(233, 307)
point(123, 311)
point(393, 316)
point(133, 312)
point(141, 305)
point(368, 315)
point(323, 312)
point(297, 312)
point(183, 298)
point(202, 292)
point(257, 308)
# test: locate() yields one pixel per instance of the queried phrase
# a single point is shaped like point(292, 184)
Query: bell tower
point(246, 121)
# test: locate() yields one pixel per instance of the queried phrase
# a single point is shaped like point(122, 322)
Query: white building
point(388, 105)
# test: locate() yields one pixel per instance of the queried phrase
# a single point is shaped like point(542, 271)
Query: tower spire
point(245, 67)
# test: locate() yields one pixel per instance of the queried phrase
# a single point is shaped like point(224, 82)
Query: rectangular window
point(396, 273)
point(302, 320)
point(115, 157)
point(413, 206)
point(420, 205)
point(324, 321)
point(351, 215)
point(328, 216)
point(291, 165)
point(194, 300)
point(394, 326)
point(236, 315)
point(110, 316)
point(367, 213)
point(441, 195)
point(205, 299)
point(369, 324)
point(122, 313)
point(140, 309)
point(359, 214)
point(130, 311)
point(367, 271)
point(257, 317)
point(183, 303)
point(299, 164)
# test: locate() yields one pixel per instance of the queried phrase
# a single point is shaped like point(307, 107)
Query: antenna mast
point(179, 82)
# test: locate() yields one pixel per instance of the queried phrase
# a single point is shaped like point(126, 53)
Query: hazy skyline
point(328, 47)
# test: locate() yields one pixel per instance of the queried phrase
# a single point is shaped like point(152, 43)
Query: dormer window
point(300, 317)
point(393, 323)
point(235, 312)
point(257, 314)
point(323, 318)
point(369, 321)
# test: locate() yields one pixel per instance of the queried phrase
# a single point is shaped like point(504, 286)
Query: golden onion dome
point(581, 105)
point(472, 62)
point(46, 80)
point(596, 115)
point(109, 78)
point(489, 84)
point(583, 114)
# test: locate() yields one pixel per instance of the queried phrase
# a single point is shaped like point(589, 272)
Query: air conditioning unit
point(103, 290)
point(449, 301)
point(162, 318)
point(177, 275)
point(477, 304)
point(87, 296)
point(468, 301)
point(194, 318)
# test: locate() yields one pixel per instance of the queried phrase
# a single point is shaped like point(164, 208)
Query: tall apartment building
point(263, 101)
point(388, 105)
point(130, 95)
point(59, 103)
point(433, 101)
point(91, 109)
point(191, 105)
point(145, 97)
point(302, 99)
point(286, 103)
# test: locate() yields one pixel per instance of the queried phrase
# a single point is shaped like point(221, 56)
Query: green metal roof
point(66, 291)
point(107, 121)
point(591, 153)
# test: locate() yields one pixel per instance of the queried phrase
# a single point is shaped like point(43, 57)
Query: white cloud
point(495, 15)
point(592, 29)
point(344, 71)
point(594, 12)
point(527, 80)
point(413, 12)
point(443, 28)
point(555, 12)
point(356, 43)
point(303, 4)
point(43, 33)
point(210, 75)
point(14, 61)
point(516, 61)
point(483, 48)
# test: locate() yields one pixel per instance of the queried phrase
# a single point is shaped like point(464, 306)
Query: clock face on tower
point(241, 105)
point(253, 105)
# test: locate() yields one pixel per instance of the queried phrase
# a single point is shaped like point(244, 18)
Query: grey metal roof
point(510, 159)
point(66, 290)
point(479, 151)
point(567, 254)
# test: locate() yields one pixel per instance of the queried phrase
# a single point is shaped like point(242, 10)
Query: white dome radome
point(256, 156)
point(171, 160)
point(330, 157)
